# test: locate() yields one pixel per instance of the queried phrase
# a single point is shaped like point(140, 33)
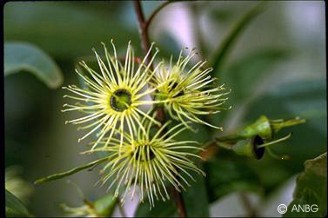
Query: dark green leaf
point(14, 207)
point(20, 56)
point(311, 188)
point(306, 99)
point(270, 181)
point(161, 209)
point(68, 30)
point(245, 75)
point(70, 172)
point(233, 35)
point(222, 14)
point(227, 176)
point(169, 46)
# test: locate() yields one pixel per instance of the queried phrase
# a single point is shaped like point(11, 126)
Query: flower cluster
point(119, 104)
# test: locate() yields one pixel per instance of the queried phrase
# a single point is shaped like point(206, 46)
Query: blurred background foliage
point(275, 66)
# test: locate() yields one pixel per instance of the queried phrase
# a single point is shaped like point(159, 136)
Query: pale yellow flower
point(150, 160)
point(188, 92)
point(113, 95)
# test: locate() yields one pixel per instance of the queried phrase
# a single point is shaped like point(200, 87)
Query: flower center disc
point(120, 100)
point(144, 153)
point(172, 87)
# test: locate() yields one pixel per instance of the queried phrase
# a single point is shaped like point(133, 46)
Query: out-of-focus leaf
point(226, 176)
point(306, 99)
point(67, 30)
point(233, 35)
point(161, 209)
point(70, 29)
point(311, 188)
point(14, 207)
point(15, 184)
point(222, 15)
point(270, 181)
point(21, 56)
point(244, 75)
point(195, 197)
point(169, 46)
point(70, 172)
point(201, 135)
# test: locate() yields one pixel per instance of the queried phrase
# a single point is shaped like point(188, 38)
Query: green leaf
point(221, 14)
point(227, 176)
point(161, 209)
point(246, 74)
point(21, 56)
point(67, 30)
point(311, 188)
point(14, 207)
point(306, 99)
point(70, 172)
point(195, 197)
point(244, 77)
point(233, 35)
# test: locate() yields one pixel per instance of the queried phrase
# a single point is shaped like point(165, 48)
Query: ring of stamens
point(120, 100)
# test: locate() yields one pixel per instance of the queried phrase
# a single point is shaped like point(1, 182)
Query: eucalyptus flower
point(149, 160)
point(189, 92)
point(113, 94)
